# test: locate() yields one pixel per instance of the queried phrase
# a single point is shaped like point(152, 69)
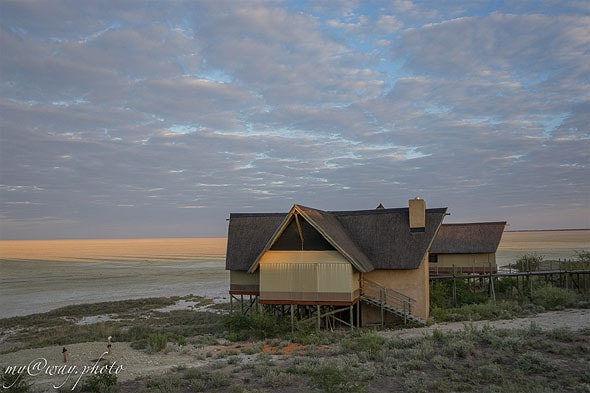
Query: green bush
point(192, 379)
point(203, 380)
point(528, 262)
point(157, 341)
point(507, 287)
point(479, 311)
point(101, 383)
point(332, 379)
point(553, 298)
point(366, 345)
point(534, 362)
point(257, 325)
point(136, 333)
point(441, 294)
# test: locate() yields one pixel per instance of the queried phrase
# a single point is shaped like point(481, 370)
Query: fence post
point(405, 313)
point(492, 281)
point(454, 288)
point(319, 317)
point(382, 301)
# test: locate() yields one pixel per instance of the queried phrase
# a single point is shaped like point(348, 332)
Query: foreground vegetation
point(474, 359)
point(471, 360)
point(268, 356)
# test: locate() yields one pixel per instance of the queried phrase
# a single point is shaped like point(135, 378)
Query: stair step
point(389, 308)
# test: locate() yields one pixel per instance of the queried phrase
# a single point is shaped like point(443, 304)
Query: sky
point(125, 119)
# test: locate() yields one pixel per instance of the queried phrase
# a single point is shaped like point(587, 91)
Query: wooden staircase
point(389, 301)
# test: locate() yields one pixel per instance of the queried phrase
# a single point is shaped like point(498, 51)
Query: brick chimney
point(417, 214)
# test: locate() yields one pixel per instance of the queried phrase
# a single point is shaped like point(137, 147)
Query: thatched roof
point(330, 229)
point(247, 236)
point(369, 239)
point(385, 237)
point(472, 238)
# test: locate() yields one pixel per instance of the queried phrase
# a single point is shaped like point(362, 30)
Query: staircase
point(389, 300)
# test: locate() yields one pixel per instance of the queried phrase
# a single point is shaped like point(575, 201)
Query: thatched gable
point(330, 228)
point(472, 238)
point(369, 239)
point(247, 236)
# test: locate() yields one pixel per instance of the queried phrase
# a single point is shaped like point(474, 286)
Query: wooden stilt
point(319, 317)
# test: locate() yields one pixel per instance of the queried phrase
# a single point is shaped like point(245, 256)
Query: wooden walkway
point(509, 274)
point(578, 280)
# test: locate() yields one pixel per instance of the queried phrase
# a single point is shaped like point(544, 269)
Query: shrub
point(583, 260)
point(553, 298)
point(528, 262)
point(157, 341)
point(442, 362)
point(458, 346)
point(101, 383)
point(136, 333)
point(332, 379)
point(534, 362)
point(258, 325)
point(202, 380)
point(367, 345)
point(441, 294)
point(507, 287)
point(474, 312)
point(276, 378)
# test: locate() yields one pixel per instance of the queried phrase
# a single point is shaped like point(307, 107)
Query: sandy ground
point(130, 364)
point(575, 319)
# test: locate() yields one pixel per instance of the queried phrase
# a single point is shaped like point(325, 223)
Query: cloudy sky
point(159, 118)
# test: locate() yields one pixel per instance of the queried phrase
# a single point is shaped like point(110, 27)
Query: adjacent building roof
point(472, 238)
point(369, 239)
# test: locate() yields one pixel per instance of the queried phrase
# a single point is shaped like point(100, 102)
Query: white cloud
point(389, 24)
point(177, 113)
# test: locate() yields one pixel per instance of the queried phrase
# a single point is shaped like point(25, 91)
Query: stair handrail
point(388, 296)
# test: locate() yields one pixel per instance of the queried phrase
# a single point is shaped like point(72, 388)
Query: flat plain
point(40, 275)
point(37, 276)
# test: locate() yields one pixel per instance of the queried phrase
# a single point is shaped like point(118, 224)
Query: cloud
point(137, 119)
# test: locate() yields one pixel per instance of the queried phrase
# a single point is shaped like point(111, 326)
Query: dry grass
point(476, 358)
point(487, 359)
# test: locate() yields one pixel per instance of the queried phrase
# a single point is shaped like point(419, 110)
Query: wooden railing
point(435, 270)
point(388, 297)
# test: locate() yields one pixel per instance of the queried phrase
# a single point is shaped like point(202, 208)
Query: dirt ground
point(129, 364)
point(574, 319)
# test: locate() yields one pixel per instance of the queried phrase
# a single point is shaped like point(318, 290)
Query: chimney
point(417, 215)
